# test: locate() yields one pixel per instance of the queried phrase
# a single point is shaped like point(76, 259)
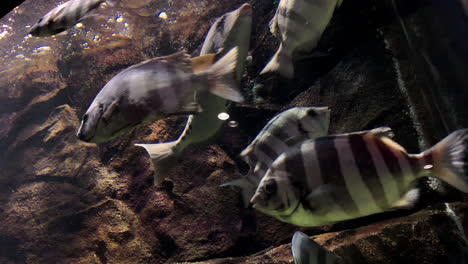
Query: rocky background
point(395, 63)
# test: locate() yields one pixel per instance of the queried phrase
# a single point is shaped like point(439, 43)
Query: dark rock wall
point(64, 201)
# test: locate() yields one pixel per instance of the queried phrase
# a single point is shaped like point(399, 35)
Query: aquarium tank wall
point(234, 131)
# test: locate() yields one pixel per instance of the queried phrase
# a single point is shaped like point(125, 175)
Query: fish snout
point(82, 136)
point(246, 9)
point(34, 31)
point(258, 199)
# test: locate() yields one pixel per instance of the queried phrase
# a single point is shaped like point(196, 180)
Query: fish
point(65, 16)
point(346, 176)
point(228, 31)
point(231, 30)
point(306, 251)
point(299, 25)
point(283, 131)
point(152, 90)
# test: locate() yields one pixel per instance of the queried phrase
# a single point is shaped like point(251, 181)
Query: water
point(67, 201)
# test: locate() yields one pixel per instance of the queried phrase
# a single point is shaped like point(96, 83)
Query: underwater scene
point(234, 131)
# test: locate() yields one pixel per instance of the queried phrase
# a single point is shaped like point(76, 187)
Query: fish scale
point(353, 175)
point(152, 90)
point(281, 133)
point(229, 31)
point(298, 24)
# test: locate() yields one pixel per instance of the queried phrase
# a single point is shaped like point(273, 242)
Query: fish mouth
point(246, 9)
point(82, 136)
point(34, 31)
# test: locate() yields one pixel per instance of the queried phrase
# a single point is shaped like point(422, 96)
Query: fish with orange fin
point(153, 90)
point(346, 176)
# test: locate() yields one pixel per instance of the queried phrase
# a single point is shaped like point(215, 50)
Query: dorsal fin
point(382, 132)
point(56, 16)
point(181, 58)
point(202, 63)
point(307, 251)
point(385, 134)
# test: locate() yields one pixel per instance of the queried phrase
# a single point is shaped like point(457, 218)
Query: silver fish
point(281, 133)
point(306, 251)
point(152, 90)
point(230, 30)
point(347, 176)
point(65, 16)
point(299, 25)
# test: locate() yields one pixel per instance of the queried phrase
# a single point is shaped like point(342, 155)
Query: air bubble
point(233, 123)
point(223, 116)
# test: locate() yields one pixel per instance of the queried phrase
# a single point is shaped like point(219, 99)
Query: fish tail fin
point(448, 159)
point(305, 250)
point(221, 77)
point(160, 150)
point(282, 63)
point(247, 188)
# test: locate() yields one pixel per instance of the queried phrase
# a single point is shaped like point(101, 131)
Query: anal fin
point(409, 199)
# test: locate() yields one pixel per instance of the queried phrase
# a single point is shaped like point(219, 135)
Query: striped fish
point(347, 176)
point(65, 16)
point(299, 25)
point(306, 251)
point(153, 90)
point(229, 31)
point(281, 133)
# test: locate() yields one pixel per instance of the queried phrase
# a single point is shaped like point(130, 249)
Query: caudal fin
point(282, 63)
point(221, 77)
point(306, 251)
point(160, 150)
point(450, 159)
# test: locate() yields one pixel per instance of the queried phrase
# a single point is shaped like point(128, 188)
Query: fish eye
point(312, 113)
point(271, 187)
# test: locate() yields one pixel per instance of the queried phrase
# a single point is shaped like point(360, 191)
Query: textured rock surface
point(429, 236)
point(64, 201)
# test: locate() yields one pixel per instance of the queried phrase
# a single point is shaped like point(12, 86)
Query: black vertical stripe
point(295, 165)
point(367, 169)
point(391, 160)
point(331, 173)
point(279, 131)
point(268, 151)
point(321, 255)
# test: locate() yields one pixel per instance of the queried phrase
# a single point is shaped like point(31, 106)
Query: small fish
point(65, 16)
point(281, 133)
point(306, 251)
point(347, 176)
point(153, 90)
point(299, 25)
point(230, 30)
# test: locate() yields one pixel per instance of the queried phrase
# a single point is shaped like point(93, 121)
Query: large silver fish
point(299, 25)
point(347, 176)
point(65, 16)
point(152, 90)
point(306, 251)
point(230, 30)
point(281, 133)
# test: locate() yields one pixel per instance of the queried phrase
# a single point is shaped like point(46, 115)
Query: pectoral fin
point(319, 199)
point(247, 188)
